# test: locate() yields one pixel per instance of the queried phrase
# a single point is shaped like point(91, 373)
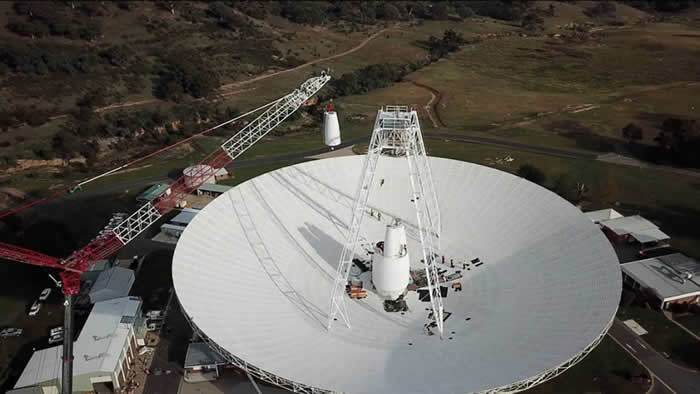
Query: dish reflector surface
point(254, 269)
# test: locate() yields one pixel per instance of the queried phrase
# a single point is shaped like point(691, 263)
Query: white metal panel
point(254, 269)
point(390, 267)
point(331, 128)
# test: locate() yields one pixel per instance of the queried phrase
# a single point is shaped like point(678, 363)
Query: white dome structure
point(254, 270)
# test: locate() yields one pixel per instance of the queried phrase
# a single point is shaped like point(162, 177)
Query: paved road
point(676, 379)
point(295, 155)
point(516, 145)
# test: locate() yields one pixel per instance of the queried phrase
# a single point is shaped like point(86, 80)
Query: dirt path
point(307, 64)
point(224, 91)
point(432, 106)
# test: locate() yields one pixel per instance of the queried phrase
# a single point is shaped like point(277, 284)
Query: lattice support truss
point(337, 307)
point(396, 132)
point(149, 213)
point(296, 387)
point(427, 231)
point(12, 252)
point(273, 116)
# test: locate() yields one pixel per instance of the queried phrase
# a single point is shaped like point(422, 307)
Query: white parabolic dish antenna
point(255, 267)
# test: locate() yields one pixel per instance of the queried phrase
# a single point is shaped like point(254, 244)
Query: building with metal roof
point(633, 228)
point(202, 363)
point(103, 351)
point(602, 214)
point(211, 189)
point(173, 230)
point(672, 278)
point(152, 192)
point(27, 390)
point(115, 282)
point(185, 216)
point(96, 269)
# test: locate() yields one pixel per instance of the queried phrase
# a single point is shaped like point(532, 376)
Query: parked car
point(154, 325)
point(45, 294)
point(55, 338)
point(155, 315)
point(36, 306)
point(56, 330)
point(10, 332)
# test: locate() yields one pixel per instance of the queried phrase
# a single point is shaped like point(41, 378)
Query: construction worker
point(452, 263)
point(379, 216)
point(371, 212)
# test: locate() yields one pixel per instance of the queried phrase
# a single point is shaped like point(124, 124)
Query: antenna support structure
point(396, 133)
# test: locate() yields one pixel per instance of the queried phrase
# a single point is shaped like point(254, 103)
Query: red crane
point(106, 244)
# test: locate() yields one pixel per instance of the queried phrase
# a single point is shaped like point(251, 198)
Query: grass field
point(243, 174)
point(690, 321)
point(669, 199)
point(607, 369)
point(666, 337)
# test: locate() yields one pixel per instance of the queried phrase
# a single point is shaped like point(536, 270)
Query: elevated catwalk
point(254, 271)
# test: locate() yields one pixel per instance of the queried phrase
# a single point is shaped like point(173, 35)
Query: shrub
point(531, 173)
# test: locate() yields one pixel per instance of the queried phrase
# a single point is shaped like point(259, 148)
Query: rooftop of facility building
point(603, 214)
point(185, 216)
point(112, 283)
point(97, 349)
point(152, 192)
point(666, 275)
point(638, 227)
point(201, 354)
point(212, 187)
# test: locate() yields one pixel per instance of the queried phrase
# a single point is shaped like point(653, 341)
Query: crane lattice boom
point(110, 242)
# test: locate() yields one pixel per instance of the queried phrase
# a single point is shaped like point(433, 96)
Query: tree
point(389, 12)
point(569, 188)
point(440, 10)
point(91, 100)
point(600, 8)
point(450, 42)
point(632, 133)
point(531, 173)
point(681, 139)
point(304, 12)
point(118, 56)
point(532, 21)
point(463, 10)
point(186, 73)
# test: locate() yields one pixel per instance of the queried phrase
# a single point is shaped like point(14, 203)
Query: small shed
point(602, 214)
point(212, 190)
point(172, 230)
point(152, 192)
point(202, 363)
point(115, 282)
point(634, 229)
point(185, 216)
